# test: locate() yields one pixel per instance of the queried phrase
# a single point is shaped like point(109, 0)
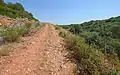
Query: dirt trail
point(41, 54)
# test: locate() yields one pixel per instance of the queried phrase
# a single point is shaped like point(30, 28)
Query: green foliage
point(116, 31)
point(10, 34)
point(89, 60)
point(114, 72)
point(57, 27)
point(104, 34)
point(96, 46)
point(28, 25)
point(22, 31)
point(62, 34)
point(13, 34)
point(14, 11)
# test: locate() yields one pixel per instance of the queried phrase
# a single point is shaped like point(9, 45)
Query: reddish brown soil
point(41, 54)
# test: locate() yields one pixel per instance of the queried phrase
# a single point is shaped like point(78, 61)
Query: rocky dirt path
point(40, 54)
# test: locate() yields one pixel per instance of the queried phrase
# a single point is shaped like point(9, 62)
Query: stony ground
point(10, 22)
point(40, 54)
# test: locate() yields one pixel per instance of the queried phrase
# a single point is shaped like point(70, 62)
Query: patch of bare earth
point(40, 54)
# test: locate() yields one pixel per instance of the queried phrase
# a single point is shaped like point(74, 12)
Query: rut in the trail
point(41, 54)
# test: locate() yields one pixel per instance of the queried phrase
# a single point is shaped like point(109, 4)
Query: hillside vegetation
point(95, 46)
point(14, 11)
point(15, 23)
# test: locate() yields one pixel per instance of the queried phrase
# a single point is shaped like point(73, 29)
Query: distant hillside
point(14, 11)
point(104, 34)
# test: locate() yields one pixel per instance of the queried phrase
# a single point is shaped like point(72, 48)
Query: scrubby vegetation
point(101, 33)
point(95, 46)
point(13, 34)
point(26, 25)
point(14, 11)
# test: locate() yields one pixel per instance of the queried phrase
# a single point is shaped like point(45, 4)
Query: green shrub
point(13, 34)
point(57, 27)
point(15, 11)
point(62, 34)
point(89, 60)
point(114, 72)
point(104, 34)
point(22, 31)
point(10, 34)
point(28, 25)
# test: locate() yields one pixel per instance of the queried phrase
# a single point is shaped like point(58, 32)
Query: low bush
point(22, 31)
point(89, 61)
point(114, 72)
point(13, 34)
point(57, 27)
point(28, 25)
point(62, 34)
point(10, 34)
